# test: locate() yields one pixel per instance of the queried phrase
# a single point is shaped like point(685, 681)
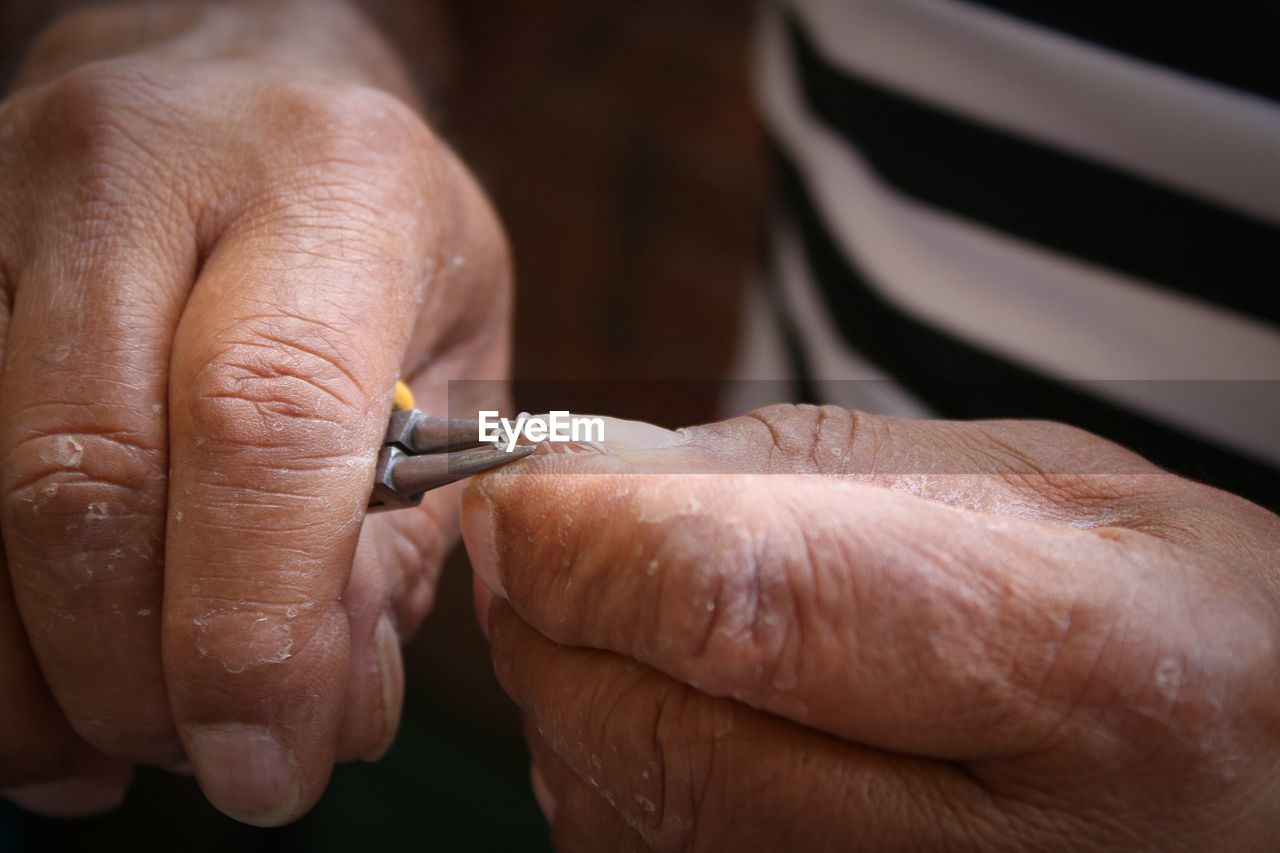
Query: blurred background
point(619, 143)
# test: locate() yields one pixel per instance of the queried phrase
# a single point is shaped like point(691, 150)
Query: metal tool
point(421, 453)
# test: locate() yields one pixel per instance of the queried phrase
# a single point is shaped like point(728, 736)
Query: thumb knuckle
point(800, 438)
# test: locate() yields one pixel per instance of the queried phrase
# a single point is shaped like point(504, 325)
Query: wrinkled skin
point(812, 630)
point(217, 255)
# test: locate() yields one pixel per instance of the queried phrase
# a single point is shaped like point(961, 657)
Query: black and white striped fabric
point(1032, 209)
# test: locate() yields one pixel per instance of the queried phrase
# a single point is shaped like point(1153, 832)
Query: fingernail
point(386, 644)
point(477, 531)
point(640, 435)
point(542, 794)
point(482, 598)
point(245, 773)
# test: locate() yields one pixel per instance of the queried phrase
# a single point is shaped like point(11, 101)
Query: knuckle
point(662, 791)
point(736, 619)
point(96, 135)
point(352, 170)
point(73, 493)
point(668, 743)
point(352, 135)
point(808, 438)
point(688, 767)
point(280, 383)
point(100, 112)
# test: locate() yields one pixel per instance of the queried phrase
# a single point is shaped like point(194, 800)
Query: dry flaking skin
point(988, 650)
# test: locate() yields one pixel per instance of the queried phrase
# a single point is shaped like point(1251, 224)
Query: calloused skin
point(226, 231)
point(810, 629)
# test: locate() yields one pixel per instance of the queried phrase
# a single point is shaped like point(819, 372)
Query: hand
point(219, 250)
point(809, 629)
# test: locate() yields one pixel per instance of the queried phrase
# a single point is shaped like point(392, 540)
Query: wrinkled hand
point(216, 264)
point(883, 634)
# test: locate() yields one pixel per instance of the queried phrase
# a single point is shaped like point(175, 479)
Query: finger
point(586, 822)
point(100, 789)
point(589, 824)
point(462, 330)
point(542, 794)
point(38, 749)
point(876, 616)
point(481, 598)
point(83, 437)
point(45, 766)
point(375, 687)
point(687, 771)
point(36, 743)
point(280, 393)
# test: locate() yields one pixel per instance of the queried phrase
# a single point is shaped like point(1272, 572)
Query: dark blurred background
point(619, 142)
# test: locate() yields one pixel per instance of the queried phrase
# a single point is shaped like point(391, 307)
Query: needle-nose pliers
point(420, 453)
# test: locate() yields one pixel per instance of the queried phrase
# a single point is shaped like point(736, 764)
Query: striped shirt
point(994, 208)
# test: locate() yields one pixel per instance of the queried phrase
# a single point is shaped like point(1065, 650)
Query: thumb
point(1042, 470)
point(877, 616)
point(1033, 469)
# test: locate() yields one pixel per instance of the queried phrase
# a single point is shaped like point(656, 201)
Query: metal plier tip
point(422, 453)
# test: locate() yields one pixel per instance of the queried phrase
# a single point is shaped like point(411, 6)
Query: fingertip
point(85, 796)
point(478, 534)
point(542, 794)
point(386, 642)
point(482, 599)
point(246, 773)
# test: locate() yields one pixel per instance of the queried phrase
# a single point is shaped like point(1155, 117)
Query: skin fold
point(813, 629)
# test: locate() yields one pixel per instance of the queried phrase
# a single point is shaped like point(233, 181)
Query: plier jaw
point(421, 453)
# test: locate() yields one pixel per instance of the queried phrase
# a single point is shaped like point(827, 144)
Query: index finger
point(877, 616)
point(280, 390)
